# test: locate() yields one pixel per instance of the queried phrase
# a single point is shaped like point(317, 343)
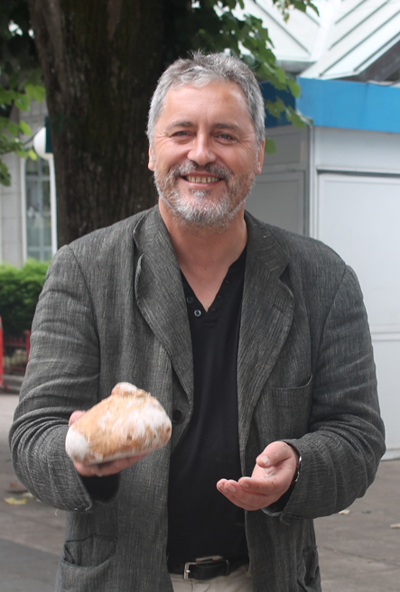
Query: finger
point(108, 468)
point(75, 416)
point(240, 497)
point(248, 502)
point(116, 466)
point(85, 470)
point(265, 486)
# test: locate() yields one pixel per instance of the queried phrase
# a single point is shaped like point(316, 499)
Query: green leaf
point(6, 96)
point(12, 128)
point(5, 177)
point(3, 122)
point(270, 146)
point(25, 128)
point(36, 92)
point(22, 101)
point(275, 109)
point(294, 87)
point(297, 119)
point(299, 5)
point(280, 74)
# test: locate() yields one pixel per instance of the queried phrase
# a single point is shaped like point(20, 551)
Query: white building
point(27, 207)
point(339, 181)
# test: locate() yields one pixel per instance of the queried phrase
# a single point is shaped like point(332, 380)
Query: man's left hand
point(272, 476)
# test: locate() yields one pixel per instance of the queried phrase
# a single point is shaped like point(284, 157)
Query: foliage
point(218, 25)
point(19, 293)
point(286, 5)
point(213, 25)
point(20, 80)
point(183, 26)
point(10, 131)
point(278, 108)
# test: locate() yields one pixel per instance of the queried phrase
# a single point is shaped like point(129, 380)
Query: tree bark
point(101, 60)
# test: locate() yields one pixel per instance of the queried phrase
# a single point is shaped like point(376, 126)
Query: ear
point(260, 158)
point(152, 162)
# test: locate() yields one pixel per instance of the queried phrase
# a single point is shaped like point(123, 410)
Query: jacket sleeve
point(341, 451)
point(61, 377)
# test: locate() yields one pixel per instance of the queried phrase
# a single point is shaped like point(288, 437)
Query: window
point(38, 210)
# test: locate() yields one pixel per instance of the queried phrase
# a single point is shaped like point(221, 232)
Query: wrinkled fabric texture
point(113, 309)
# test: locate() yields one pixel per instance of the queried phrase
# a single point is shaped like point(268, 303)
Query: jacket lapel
point(160, 296)
point(267, 308)
point(267, 313)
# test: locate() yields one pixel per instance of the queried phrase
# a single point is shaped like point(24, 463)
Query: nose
point(201, 150)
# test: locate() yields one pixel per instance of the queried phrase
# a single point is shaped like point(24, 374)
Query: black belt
point(206, 568)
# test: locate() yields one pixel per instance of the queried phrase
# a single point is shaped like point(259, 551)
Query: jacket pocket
point(89, 551)
point(289, 412)
point(86, 565)
point(294, 395)
point(308, 573)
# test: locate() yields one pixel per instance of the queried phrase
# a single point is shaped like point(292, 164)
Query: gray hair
point(200, 71)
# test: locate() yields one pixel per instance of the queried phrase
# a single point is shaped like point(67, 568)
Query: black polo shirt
point(202, 521)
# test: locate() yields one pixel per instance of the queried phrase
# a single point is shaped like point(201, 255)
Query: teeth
point(202, 179)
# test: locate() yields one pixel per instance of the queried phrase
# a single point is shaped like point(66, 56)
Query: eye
point(226, 138)
point(180, 133)
point(181, 136)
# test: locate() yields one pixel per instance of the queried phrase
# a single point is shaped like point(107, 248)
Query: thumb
point(75, 416)
point(273, 454)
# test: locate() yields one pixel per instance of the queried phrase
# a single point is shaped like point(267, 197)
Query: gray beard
point(203, 212)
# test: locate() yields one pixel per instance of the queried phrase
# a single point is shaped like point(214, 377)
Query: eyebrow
point(181, 124)
point(222, 125)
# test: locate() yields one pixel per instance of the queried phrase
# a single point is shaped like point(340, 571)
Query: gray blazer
point(113, 309)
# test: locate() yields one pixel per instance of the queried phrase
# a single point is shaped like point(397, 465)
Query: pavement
point(359, 549)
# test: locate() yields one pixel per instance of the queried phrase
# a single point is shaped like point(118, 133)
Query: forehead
point(212, 101)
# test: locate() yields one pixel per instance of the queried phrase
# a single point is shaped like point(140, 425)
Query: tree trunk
point(101, 60)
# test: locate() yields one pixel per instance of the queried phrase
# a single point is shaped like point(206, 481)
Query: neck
point(206, 246)
point(205, 254)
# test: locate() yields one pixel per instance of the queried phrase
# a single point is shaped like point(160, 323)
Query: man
point(253, 339)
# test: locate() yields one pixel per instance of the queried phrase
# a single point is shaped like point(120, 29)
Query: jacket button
point(177, 416)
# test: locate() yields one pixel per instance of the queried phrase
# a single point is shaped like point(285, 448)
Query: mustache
point(185, 169)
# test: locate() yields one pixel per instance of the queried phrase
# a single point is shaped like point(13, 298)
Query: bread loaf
point(130, 422)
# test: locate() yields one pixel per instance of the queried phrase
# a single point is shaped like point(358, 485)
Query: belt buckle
point(199, 561)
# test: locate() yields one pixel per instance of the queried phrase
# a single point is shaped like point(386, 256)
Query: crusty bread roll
point(129, 422)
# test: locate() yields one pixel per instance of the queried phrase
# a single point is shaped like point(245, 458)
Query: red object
point(1, 354)
point(12, 346)
point(27, 344)
point(2, 383)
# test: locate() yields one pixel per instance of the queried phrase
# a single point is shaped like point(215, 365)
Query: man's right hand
point(104, 469)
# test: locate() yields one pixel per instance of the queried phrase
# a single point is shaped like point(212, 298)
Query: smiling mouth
point(204, 180)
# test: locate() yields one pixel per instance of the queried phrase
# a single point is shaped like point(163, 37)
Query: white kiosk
point(339, 181)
